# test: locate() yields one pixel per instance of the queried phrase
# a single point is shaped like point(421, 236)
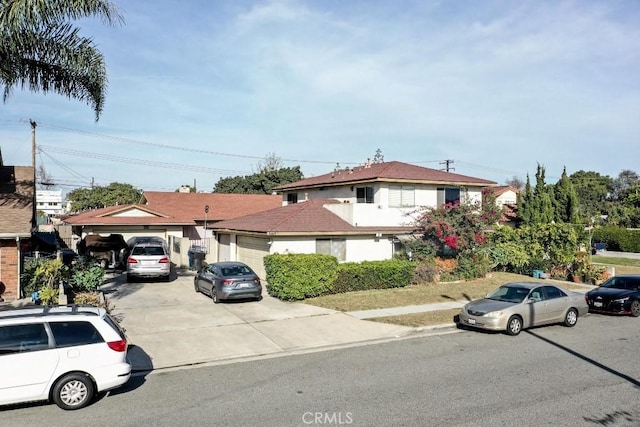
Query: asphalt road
point(583, 376)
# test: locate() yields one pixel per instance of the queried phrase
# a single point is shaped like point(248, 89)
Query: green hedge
point(366, 275)
point(299, 276)
point(617, 238)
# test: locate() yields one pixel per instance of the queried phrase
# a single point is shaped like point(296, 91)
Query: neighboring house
point(17, 220)
point(49, 202)
point(175, 217)
point(507, 198)
point(506, 195)
point(356, 214)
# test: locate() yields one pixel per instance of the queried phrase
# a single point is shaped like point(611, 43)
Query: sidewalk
point(169, 325)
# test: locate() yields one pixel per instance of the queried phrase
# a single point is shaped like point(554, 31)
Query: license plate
point(597, 304)
point(243, 285)
point(471, 321)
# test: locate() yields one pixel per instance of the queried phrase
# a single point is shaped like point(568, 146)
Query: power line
point(134, 161)
point(180, 148)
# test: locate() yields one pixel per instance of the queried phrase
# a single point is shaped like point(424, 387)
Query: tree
point(378, 158)
point(43, 179)
point(270, 174)
point(565, 201)
point(516, 182)
point(40, 49)
point(626, 182)
point(592, 190)
point(99, 197)
point(535, 206)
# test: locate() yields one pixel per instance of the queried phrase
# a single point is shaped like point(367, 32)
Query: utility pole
point(447, 164)
point(33, 145)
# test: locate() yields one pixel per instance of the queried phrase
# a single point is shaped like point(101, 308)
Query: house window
point(448, 195)
point(402, 196)
point(292, 198)
point(364, 194)
point(335, 247)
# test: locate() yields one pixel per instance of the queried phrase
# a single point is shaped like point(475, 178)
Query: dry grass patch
point(429, 318)
point(416, 294)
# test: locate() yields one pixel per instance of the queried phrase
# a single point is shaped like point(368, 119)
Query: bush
point(472, 264)
point(618, 238)
point(425, 272)
point(299, 276)
point(367, 275)
point(86, 277)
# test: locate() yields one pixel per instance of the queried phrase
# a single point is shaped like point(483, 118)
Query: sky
point(200, 90)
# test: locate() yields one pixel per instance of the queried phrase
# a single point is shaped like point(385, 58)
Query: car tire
point(635, 308)
point(571, 318)
point(514, 325)
point(73, 391)
point(130, 278)
point(195, 286)
point(214, 296)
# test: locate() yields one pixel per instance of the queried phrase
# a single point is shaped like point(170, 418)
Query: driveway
point(170, 325)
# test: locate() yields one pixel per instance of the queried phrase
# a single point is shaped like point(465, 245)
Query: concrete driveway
point(170, 325)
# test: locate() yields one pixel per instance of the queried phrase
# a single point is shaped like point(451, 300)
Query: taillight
point(132, 261)
point(228, 281)
point(118, 346)
point(164, 260)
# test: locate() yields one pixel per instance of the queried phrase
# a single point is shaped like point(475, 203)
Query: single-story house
point(181, 219)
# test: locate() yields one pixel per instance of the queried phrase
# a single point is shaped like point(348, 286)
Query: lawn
point(442, 292)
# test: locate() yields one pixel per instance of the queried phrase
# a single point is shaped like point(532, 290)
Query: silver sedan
point(516, 306)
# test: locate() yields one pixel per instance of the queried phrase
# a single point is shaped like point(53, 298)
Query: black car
point(618, 295)
point(228, 280)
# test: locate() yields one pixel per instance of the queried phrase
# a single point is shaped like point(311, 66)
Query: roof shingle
point(389, 171)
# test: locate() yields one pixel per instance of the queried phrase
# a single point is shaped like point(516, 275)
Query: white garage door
point(251, 250)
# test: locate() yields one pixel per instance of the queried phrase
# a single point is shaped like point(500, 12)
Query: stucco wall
point(364, 248)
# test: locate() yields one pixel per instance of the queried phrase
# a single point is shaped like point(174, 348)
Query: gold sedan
point(517, 306)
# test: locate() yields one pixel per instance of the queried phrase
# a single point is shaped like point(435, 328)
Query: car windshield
point(148, 250)
point(236, 270)
point(509, 293)
point(630, 283)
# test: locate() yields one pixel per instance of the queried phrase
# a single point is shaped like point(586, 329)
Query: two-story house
point(49, 202)
point(355, 214)
point(17, 220)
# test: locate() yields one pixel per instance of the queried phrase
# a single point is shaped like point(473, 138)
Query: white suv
point(63, 354)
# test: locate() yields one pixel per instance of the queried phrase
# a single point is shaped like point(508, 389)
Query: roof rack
point(48, 310)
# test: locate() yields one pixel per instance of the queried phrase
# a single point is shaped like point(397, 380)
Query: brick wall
point(9, 274)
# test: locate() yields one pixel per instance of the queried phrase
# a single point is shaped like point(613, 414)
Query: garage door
point(251, 250)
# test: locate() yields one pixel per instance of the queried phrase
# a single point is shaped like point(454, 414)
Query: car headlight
point(494, 314)
point(621, 300)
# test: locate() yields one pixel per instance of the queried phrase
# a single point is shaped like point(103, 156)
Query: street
point(587, 375)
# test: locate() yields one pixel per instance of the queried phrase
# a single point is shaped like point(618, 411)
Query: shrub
point(367, 275)
point(86, 277)
point(618, 238)
point(299, 276)
point(49, 295)
point(425, 272)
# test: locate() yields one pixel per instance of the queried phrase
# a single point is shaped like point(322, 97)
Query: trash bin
point(196, 257)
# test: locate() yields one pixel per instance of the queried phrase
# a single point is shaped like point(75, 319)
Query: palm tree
point(42, 51)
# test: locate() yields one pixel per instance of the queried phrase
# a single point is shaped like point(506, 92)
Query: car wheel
point(571, 318)
point(73, 391)
point(514, 325)
point(130, 278)
point(635, 308)
point(214, 296)
point(195, 286)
